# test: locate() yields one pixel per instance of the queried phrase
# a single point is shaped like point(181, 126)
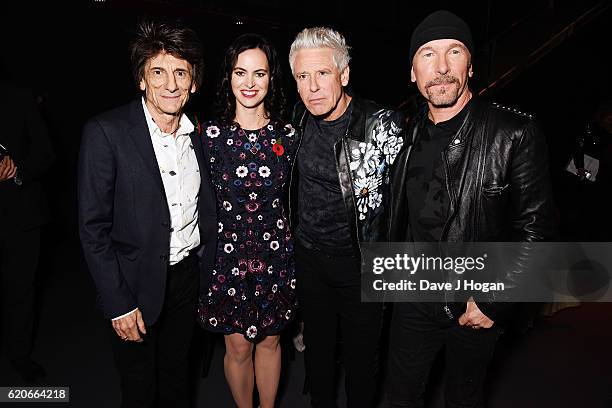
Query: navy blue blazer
point(124, 220)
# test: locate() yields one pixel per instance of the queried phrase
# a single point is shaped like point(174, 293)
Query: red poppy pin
point(198, 124)
point(278, 147)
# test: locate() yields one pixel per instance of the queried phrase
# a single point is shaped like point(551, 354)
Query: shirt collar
point(185, 125)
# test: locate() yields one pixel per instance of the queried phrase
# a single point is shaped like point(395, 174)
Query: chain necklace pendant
point(254, 150)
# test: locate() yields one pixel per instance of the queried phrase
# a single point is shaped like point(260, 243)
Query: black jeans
point(156, 370)
point(18, 262)
point(418, 332)
point(330, 298)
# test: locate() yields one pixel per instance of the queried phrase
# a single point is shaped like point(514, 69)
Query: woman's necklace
point(253, 139)
point(252, 136)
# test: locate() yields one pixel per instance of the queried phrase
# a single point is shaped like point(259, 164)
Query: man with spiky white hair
point(347, 147)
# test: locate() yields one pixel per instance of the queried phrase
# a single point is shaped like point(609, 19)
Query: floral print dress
point(252, 287)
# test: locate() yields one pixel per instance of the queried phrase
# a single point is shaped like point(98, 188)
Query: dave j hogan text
point(426, 285)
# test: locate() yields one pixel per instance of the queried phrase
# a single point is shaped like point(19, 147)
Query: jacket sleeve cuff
point(123, 315)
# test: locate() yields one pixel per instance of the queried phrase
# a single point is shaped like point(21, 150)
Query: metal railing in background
point(505, 56)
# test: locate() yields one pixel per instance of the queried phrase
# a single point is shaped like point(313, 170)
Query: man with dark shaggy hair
point(147, 217)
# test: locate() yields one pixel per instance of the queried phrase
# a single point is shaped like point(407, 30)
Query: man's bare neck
point(167, 123)
point(438, 115)
point(342, 106)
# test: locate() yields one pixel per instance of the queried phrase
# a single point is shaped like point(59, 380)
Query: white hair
point(321, 37)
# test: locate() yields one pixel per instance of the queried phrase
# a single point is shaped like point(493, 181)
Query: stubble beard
point(441, 97)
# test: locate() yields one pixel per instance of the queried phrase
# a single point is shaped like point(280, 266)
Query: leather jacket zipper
point(295, 159)
point(352, 188)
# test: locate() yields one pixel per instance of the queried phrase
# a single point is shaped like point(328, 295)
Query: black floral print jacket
point(364, 156)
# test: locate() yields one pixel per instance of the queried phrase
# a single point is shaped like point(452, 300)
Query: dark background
point(74, 58)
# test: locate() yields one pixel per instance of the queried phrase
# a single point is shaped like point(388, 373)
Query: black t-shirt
point(323, 222)
point(427, 194)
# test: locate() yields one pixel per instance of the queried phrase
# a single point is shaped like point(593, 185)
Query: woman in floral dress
point(251, 297)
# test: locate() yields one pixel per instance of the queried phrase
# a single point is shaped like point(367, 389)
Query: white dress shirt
point(180, 175)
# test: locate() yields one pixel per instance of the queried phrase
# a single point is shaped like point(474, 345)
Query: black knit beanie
point(440, 25)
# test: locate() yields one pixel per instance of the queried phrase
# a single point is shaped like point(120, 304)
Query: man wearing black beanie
point(474, 172)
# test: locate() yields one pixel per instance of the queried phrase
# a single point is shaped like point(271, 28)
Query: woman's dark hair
point(274, 101)
point(153, 37)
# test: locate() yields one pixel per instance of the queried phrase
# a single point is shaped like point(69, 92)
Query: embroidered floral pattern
point(251, 332)
point(212, 131)
point(369, 162)
point(253, 290)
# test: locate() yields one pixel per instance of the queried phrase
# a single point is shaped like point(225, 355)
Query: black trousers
point(19, 252)
point(154, 373)
point(418, 332)
point(329, 295)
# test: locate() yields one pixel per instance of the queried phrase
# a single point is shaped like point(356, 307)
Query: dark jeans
point(418, 332)
point(330, 298)
point(156, 370)
point(18, 261)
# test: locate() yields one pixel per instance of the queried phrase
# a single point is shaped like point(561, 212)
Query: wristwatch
point(17, 179)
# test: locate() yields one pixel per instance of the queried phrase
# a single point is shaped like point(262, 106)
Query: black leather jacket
point(498, 185)
point(364, 156)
